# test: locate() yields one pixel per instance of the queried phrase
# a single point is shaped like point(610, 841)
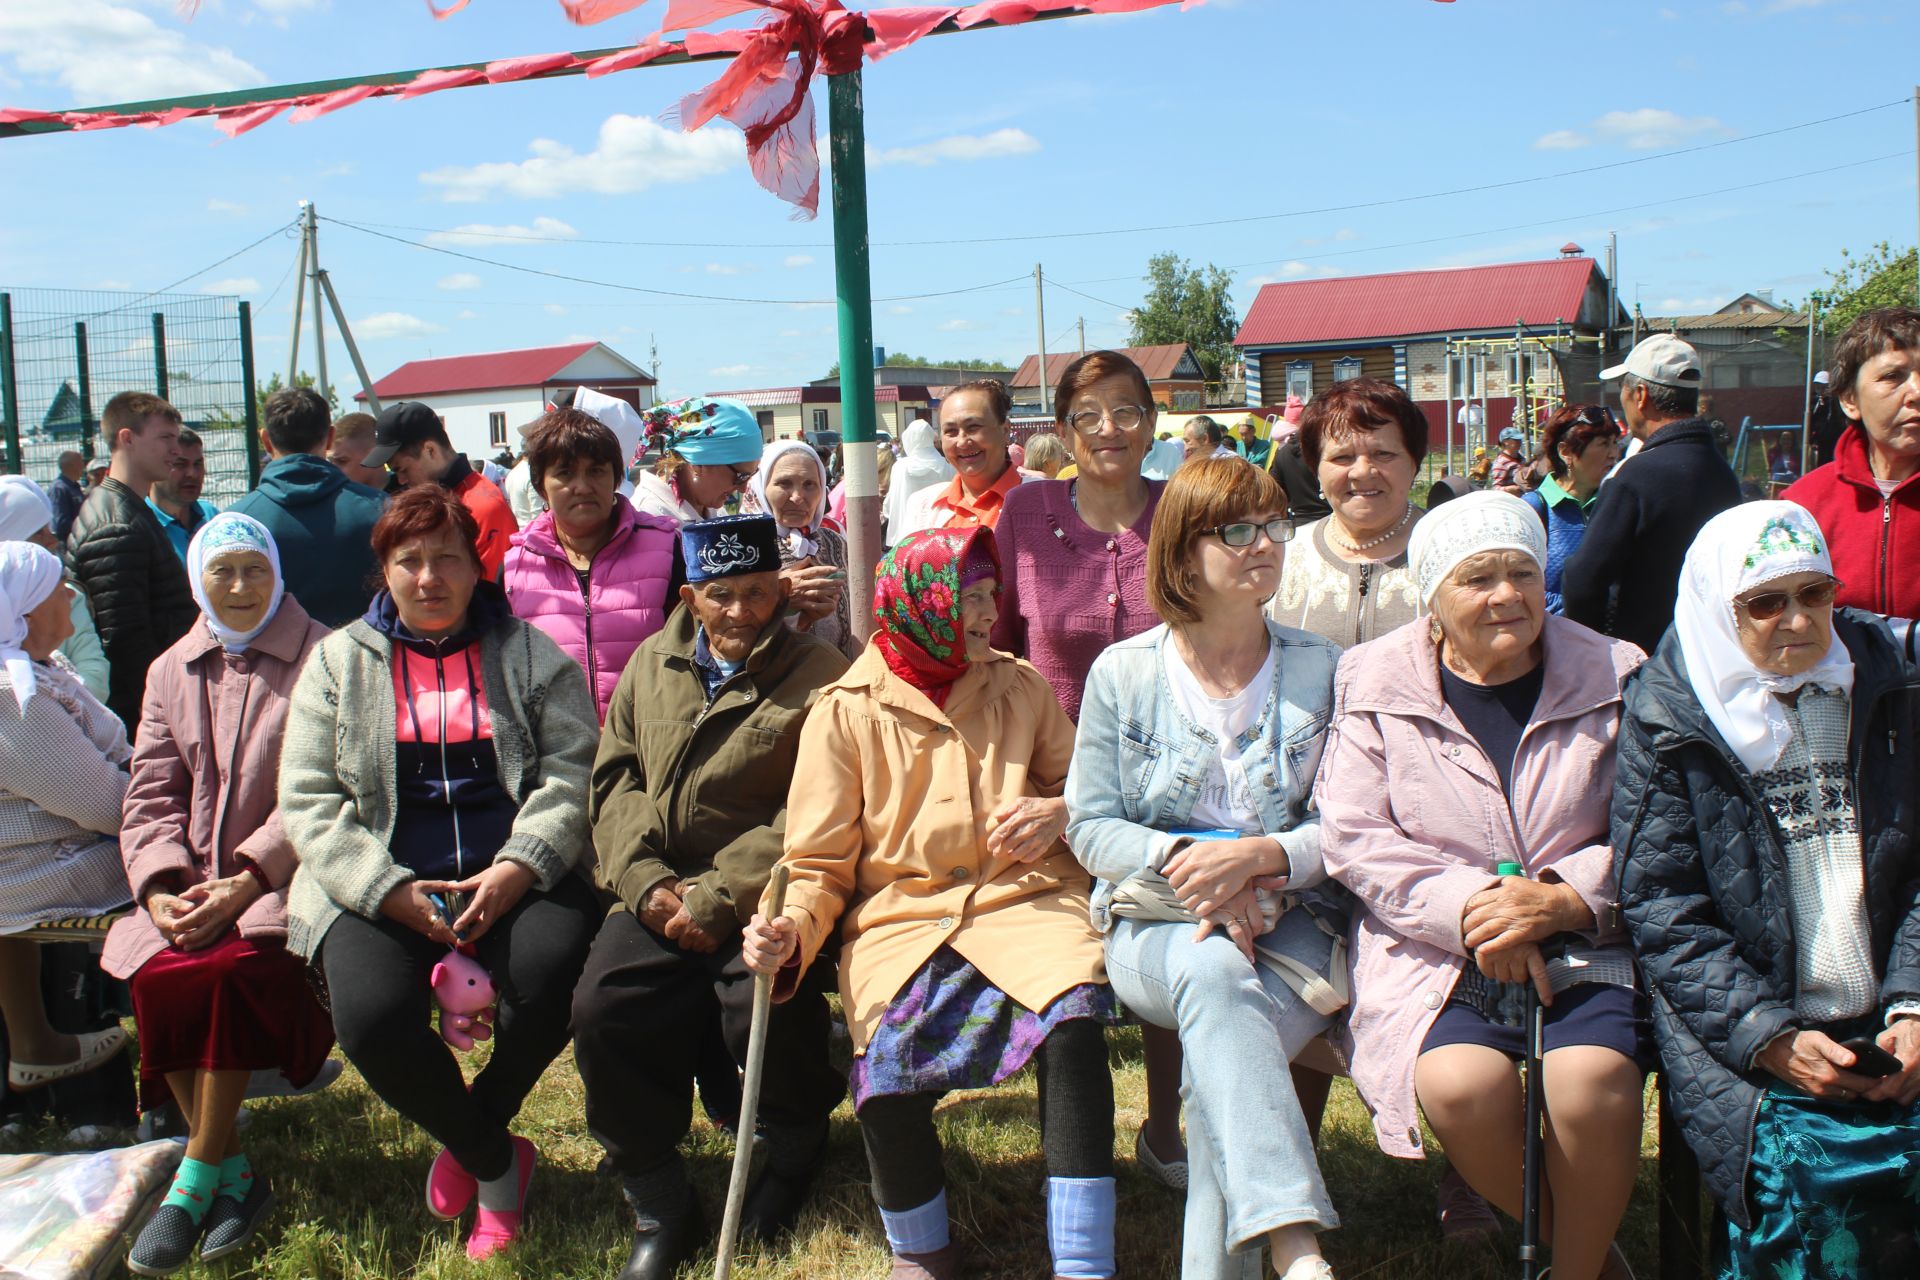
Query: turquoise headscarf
point(706, 431)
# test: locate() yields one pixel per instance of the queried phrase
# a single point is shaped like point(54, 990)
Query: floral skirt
point(950, 1028)
point(236, 1006)
point(1835, 1191)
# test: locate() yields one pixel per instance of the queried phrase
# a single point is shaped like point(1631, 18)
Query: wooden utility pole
point(319, 313)
point(1916, 136)
point(1040, 322)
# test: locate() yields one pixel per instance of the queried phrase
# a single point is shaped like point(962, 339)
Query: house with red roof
point(485, 399)
point(1173, 375)
point(1447, 336)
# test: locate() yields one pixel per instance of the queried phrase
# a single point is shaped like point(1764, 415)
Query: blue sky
point(1239, 109)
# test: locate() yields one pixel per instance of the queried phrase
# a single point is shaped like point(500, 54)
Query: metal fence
point(64, 353)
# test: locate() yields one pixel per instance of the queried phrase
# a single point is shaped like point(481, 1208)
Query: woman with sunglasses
point(1195, 814)
point(1765, 829)
point(709, 453)
point(1581, 444)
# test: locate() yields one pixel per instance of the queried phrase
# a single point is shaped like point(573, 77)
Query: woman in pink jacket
point(216, 993)
point(590, 571)
point(1496, 724)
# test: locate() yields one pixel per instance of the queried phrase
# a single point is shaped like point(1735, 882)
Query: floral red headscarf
point(916, 604)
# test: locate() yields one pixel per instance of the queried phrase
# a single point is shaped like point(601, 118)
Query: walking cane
point(1531, 1152)
point(770, 906)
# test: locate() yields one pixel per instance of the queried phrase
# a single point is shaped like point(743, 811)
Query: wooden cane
point(1531, 1152)
point(771, 904)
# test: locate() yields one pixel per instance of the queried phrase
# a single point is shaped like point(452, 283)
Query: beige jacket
point(887, 835)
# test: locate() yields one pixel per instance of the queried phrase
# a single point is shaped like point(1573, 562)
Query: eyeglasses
point(1769, 605)
point(1127, 417)
point(742, 475)
point(1241, 533)
point(1593, 415)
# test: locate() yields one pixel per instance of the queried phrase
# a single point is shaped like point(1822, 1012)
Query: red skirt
point(236, 1006)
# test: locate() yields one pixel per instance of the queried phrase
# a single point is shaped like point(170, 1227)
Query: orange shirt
point(963, 511)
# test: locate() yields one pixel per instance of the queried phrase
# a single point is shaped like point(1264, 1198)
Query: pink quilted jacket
point(625, 600)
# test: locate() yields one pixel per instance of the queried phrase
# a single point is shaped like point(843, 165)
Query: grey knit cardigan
point(338, 768)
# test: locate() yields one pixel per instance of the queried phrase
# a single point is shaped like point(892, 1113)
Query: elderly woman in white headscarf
point(791, 486)
point(1765, 818)
point(26, 515)
point(921, 466)
point(1485, 867)
point(216, 993)
point(62, 777)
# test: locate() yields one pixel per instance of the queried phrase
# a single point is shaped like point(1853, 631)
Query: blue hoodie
point(323, 525)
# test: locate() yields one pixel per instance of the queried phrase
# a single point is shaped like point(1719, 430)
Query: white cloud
point(633, 154)
point(392, 324)
point(957, 325)
point(481, 233)
point(899, 309)
point(1642, 129)
point(459, 280)
point(232, 285)
point(107, 52)
point(1689, 306)
point(468, 314)
point(554, 309)
point(729, 268)
point(731, 370)
point(217, 205)
point(799, 260)
point(964, 146)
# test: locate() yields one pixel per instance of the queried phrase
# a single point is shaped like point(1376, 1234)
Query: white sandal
point(1308, 1269)
point(95, 1048)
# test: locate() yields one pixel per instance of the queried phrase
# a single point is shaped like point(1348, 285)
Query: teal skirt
point(1835, 1192)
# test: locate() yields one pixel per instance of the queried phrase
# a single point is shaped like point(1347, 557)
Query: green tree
point(301, 379)
point(901, 361)
point(1189, 304)
point(1877, 278)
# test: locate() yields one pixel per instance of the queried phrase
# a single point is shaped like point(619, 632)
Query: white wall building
point(485, 399)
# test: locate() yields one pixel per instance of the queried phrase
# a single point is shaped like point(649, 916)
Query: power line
point(1356, 206)
point(662, 293)
point(138, 299)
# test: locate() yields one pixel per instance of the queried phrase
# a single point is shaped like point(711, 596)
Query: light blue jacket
point(1139, 764)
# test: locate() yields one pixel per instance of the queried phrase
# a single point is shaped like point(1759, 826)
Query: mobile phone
point(1869, 1058)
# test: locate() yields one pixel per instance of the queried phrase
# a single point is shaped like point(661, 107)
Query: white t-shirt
point(1471, 415)
point(1226, 801)
point(1886, 486)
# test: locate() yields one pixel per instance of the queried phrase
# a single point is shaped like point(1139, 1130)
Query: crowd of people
point(1300, 776)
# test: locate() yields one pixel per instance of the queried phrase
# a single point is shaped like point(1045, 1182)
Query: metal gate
point(64, 353)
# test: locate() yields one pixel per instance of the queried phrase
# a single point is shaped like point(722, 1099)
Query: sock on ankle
point(502, 1194)
point(1080, 1214)
point(193, 1187)
point(236, 1176)
point(916, 1231)
point(657, 1193)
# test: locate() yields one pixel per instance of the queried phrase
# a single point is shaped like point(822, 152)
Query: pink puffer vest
point(625, 601)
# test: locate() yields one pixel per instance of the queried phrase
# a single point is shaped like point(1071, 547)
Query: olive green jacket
point(693, 791)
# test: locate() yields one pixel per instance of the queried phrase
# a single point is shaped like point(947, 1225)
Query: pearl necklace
point(1373, 542)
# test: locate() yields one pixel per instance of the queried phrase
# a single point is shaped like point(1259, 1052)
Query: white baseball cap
point(1661, 358)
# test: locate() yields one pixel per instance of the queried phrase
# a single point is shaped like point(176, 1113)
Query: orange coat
point(887, 835)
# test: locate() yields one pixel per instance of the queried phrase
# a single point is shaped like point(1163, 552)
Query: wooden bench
point(74, 928)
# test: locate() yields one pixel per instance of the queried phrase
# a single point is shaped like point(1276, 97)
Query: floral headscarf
point(231, 533)
point(916, 604)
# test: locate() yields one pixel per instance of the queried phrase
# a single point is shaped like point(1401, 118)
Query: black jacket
point(1625, 575)
point(1704, 888)
point(136, 586)
point(1287, 464)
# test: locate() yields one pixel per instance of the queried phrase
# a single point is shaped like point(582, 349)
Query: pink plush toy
point(465, 995)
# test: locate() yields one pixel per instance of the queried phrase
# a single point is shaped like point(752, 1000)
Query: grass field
point(349, 1174)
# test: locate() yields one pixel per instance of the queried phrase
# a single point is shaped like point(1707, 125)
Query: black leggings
point(377, 974)
point(1076, 1122)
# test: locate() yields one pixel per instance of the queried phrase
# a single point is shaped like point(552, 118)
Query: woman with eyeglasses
point(1075, 553)
point(1581, 444)
point(1199, 812)
point(1764, 828)
point(709, 452)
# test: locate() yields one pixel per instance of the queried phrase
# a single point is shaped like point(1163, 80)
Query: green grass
point(349, 1175)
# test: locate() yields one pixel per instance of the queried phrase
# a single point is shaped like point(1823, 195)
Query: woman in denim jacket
point(1190, 801)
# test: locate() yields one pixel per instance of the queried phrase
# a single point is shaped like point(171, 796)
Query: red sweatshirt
point(1874, 538)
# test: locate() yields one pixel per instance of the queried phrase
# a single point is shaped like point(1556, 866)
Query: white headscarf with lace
point(29, 573)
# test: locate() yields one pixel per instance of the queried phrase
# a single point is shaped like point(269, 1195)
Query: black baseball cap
point(401, 425)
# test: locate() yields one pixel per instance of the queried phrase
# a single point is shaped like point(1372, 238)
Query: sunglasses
point(1241, 533)
point(1771, 604)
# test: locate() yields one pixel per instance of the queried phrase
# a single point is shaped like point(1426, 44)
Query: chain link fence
point(64, 353)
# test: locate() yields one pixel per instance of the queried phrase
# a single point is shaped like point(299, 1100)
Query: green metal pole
point(853, 287)
point(160, 354)
point(9, 390)
point(249, 396)
point(83, 367)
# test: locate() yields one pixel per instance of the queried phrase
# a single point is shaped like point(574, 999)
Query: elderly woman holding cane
point(1223, 696)
point(1765, 822)
point(434, 785)
point(216, 993)
point(1495, 723)
point(967, 950)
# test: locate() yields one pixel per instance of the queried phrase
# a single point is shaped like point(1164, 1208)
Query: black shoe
point(231, 1223)
point(165, 1243)
point(773, 1205)
point(660, 1251)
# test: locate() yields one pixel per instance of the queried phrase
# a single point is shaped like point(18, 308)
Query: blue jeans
point(1250, 1160)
